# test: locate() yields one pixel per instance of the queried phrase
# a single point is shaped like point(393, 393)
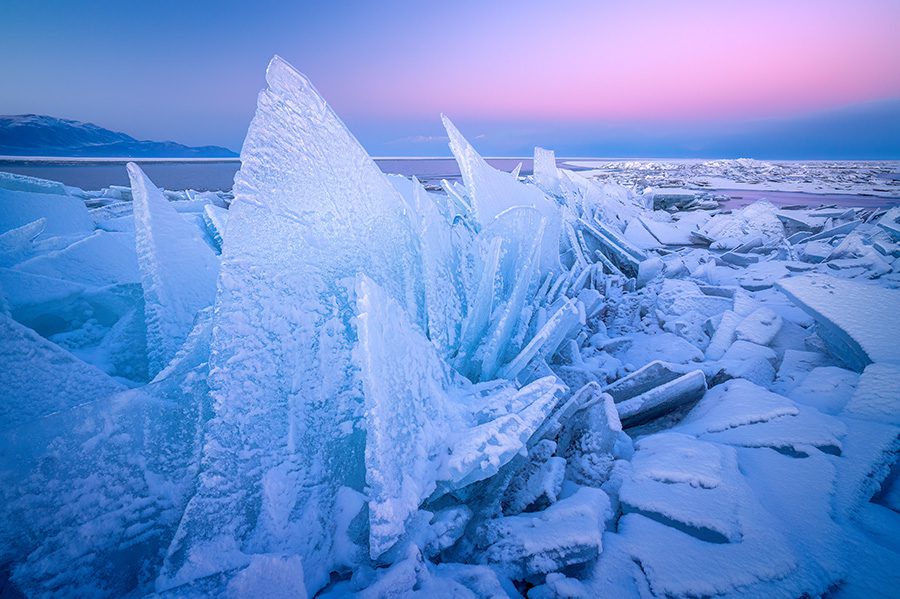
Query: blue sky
point(765, 79)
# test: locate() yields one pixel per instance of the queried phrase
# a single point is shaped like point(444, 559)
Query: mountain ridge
point(41, 135)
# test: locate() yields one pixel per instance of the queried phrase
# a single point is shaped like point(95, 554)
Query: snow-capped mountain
point(38, 135)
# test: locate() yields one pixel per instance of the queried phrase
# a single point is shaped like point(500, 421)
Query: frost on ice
point(178, 269)
point(342, 383)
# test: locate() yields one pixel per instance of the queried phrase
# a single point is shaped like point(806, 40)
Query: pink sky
point(646, 60)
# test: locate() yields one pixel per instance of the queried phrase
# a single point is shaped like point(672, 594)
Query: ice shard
point(424, 429)
point(546, 175)
point(178, 269)
point(441, 266)
point(311, 211)
point(493, 191)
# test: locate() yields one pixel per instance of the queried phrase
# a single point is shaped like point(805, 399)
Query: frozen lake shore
point(547, 383)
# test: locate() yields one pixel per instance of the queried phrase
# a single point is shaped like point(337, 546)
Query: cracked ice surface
point(513, 386)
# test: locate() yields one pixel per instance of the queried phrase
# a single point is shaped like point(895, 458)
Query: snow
point(342, 383)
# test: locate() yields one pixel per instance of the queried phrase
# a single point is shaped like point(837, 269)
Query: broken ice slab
point(655, 390)
point(760, 326)
point(99, 259)
point(737, 259)
point(669, 233)
point(311, 210)
point(741, 413)
point(685, 483)
point(890, 222)
point(38, 377)
point(91, 495)
point(873, 437)
point(857, 321)
point(833, 231)
point(800, 220)
point(493, 192)
point(677, 297)
point(547, 339)
point(546, 174)
point(419, 433)
point(567, 533)
point(66, 215)
point(695, 526)
point(613, 246)
point(178, 270)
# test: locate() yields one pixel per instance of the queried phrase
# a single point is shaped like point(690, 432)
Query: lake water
point(219, 175)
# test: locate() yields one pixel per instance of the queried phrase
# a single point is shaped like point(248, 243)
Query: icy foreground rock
point(515, 386)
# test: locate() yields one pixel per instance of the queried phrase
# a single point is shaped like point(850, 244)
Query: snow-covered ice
point(342, 383)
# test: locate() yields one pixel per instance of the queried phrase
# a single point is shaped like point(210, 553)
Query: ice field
point(337, 382)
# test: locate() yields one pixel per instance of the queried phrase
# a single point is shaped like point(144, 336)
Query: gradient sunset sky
point(652, 78)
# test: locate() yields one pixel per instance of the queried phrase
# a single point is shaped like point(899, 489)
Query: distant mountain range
point(37, 135)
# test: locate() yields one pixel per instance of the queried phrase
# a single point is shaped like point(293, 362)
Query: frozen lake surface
point(822, 186)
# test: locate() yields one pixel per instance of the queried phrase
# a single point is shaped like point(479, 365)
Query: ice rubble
point(344, 384)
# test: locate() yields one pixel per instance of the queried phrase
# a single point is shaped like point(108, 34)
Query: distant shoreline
point(569, 161)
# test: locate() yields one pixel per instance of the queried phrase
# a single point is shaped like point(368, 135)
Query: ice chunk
point(733, 230)
point(568, 532)
point(662, 399)
point(441, 270)
point(178, 269)
point(639, 349)
point(65, 214)
point(735, 403)
point(408, 410)
point(695, 526)
point(759, 327)
point(679, 297)
point(38, 377)
point(877, 395)
point(216, 219)
point(271, 576)
point(494, 192)
point(100, 259)
point(686, 484)
point(827, 388)
point(889, 222)
point(669, 233)
point(546, 175)
point(15, 245)
point(546, 340)
point(592, 440)
point(311, 211)
point(857, 321)
point(15, 182)
point(90, 496)
point(510, 249)
point(724, 335)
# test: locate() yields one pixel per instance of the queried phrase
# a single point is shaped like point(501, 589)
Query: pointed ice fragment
point(546, 175)
point(178, 269)
point(311, 210)
point(494, 191)
point(441, 274)
point(421, 432)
